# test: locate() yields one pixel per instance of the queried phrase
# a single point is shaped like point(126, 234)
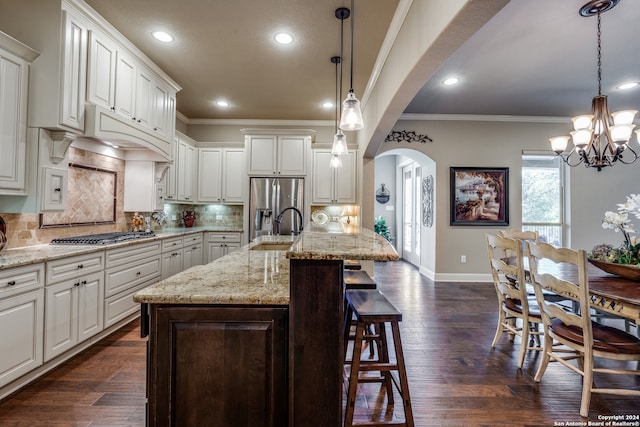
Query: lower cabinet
point(73, 313)
point(128, 270)
point(192, 252)
point(21, 329)
point(212, 365)
point(220, 244)
point(172, 250)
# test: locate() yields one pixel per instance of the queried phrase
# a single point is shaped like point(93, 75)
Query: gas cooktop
point(104, 238)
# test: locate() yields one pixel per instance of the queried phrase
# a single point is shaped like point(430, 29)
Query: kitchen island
point(254, 338)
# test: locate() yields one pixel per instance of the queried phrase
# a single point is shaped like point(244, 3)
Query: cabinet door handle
point(57, 189)
point(76, 284)
point(138, 273)
point(84, 282)
point(11, 283)
point(80, 266)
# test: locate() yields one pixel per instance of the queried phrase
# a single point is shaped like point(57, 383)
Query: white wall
point(500, 144)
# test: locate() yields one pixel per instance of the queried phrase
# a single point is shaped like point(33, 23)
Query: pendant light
point(339, 140)
point(351, 113)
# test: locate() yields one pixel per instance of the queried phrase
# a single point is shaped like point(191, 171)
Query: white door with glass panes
point(411, 177)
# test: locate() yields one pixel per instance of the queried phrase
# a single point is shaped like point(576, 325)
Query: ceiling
point(534, 58)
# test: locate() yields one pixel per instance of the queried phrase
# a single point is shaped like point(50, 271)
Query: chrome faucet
point(280, 215)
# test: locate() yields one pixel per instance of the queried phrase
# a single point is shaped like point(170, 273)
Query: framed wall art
point(479, 196)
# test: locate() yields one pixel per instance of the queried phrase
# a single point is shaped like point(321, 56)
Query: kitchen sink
point(270, 246)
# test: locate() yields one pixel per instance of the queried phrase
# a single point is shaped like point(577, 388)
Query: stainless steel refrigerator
point(270, 197)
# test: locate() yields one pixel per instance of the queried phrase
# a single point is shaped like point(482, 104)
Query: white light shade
point(559, 143)
point(582, 122)
point(339, 143)
point(621, 133)
point(351, 114)
point(335, 161)
point(624, 117)
point(581, 137)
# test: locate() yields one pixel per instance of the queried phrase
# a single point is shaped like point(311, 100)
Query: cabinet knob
point(11, 283)
point(113, 108)
point(57, 189)
point(80, 266)
point(138, 273)
point(133, 118)
point(84, 282)
point(76, 284)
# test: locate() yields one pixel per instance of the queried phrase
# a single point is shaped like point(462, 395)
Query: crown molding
point(483, 118)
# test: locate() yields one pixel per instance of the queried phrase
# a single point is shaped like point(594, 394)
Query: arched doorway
point(409, 175)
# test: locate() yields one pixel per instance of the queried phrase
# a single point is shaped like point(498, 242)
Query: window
point(542, 197)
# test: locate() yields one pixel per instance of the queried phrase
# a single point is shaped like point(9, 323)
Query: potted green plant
point(380, 226)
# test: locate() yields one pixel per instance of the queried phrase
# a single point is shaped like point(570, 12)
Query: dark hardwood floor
point(455, 377)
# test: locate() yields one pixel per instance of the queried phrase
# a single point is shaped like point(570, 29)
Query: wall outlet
point(463, 259)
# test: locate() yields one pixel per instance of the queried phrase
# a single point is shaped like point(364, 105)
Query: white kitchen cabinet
point(186, 170)
point(21, 320)
point(172, 251)
point(101, 80)
point(125, 86)
point(334, 185)
point(74, 74)
point(73, 312)
point(192, 252)
point(221, 175)
point(129, 269)
point(15, 59)
point(221, 244)
point(21, 334)
point(277, 155)
point(144, 191)
point(74, 301)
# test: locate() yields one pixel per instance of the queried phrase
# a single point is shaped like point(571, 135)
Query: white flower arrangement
point(621, 221)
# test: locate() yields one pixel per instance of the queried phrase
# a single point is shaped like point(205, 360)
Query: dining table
point(608, 293)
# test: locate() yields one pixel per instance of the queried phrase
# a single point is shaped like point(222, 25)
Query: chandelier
point(601, 138)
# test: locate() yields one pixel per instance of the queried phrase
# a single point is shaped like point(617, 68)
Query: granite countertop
point(261, 277)
point(16, 257)
point(341, 241)
point(245, 276)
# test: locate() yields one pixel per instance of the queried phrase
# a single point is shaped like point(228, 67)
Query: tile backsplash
point(24, 229)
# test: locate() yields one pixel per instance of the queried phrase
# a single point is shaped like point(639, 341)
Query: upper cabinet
point(221, 175)
point(15, 59)
point(185, 170)
point(333, 185)
point(269, 155)
point(90, 80)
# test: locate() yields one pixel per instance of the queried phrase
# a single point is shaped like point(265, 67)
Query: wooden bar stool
point(354, 279)
point(371, 307)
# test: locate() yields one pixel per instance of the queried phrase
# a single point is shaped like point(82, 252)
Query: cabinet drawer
point(68, 268)
point(136, 251)
point(192, 239)
point(16, 280)
point(172, 243)
point(223, 237)
point(122, 305)
point(130, 275)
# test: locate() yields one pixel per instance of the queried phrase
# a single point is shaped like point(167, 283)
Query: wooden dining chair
point(522, 235)
point(517, 314)
point(580, 338)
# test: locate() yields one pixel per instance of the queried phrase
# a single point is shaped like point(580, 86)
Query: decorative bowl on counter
point(626, 271)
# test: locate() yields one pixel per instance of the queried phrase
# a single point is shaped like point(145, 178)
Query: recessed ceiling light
point(222, 104)
point(327, 105)
point(451, 81)
point(283, 38)
point(162, 36)
point(628, 85)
